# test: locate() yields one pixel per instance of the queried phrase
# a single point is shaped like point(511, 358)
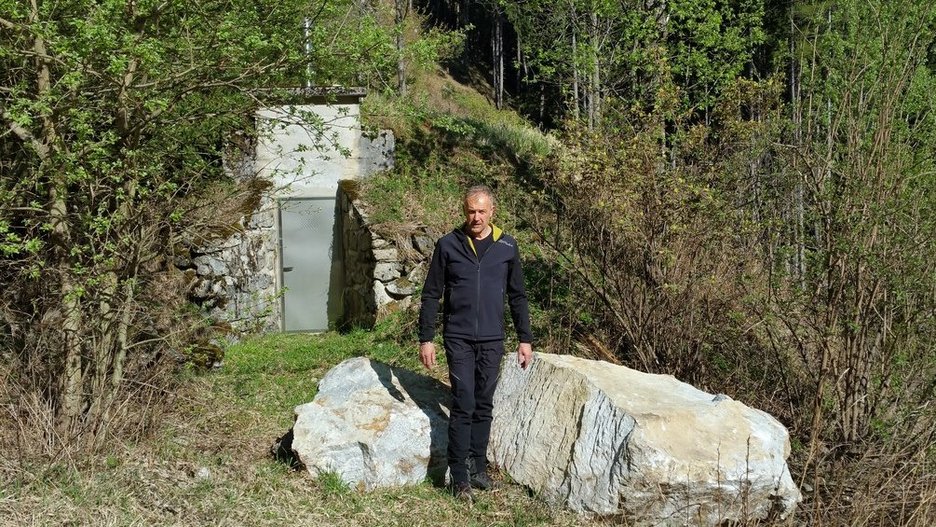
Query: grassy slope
point(209, 462)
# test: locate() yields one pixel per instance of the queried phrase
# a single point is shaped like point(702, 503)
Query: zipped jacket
point(473, 289)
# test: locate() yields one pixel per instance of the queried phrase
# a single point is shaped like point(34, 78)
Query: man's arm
point(519, 309)
point(429, 307)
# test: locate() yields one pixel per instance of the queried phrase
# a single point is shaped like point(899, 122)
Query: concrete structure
point(284, 267)
point(305, 152)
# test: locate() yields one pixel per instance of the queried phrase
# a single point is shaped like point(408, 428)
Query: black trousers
point(473, 371)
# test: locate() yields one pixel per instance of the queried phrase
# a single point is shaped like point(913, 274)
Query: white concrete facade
point(306, 151)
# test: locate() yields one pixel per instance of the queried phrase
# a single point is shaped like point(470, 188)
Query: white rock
point(374, 426)
point(606, 439)
point(381, 297)
point(386, 255)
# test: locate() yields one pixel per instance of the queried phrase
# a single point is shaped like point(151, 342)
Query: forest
point(741, 193)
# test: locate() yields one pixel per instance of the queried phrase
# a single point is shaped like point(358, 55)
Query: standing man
point(473, 268)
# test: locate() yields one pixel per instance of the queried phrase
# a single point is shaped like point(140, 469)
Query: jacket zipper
point(478, 300)
point(477, 295)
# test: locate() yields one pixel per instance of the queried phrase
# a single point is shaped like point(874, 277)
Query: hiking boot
point(462, 492)
point(479, 478)
point(481, 481)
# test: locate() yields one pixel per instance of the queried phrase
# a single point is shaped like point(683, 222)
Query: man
point(472, 268)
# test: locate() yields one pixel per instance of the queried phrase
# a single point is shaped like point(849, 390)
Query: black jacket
point(473, 289)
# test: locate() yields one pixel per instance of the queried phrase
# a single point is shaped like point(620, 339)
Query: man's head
point(479, 209)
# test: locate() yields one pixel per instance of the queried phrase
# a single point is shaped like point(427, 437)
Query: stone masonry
point(384, 264)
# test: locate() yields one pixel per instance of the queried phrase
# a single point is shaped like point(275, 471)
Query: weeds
point(208, 462)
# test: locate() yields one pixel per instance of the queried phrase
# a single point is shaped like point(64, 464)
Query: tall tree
point(863, 133)
point(598, 49)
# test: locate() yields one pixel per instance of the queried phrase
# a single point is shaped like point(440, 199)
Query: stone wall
point(237, 281)
point(384, 264)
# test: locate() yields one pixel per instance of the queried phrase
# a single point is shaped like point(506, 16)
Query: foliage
point(748, 210)
point(120, 122)
point(653, 241)
point(602, 51)
point(116, 118)
point(353, 44)
point(448, 137)
point(857, 301)
point(743, 195)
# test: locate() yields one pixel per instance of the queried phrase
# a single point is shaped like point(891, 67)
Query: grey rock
point(260, 282)
point(601, 438)
point(203, 269)
point(386, 255)
point(424, 244)
point(210, 266)
point(262, 219)
point(401, 287)
point(417, 274)
point(182, 262)
point(386, 271)
point(374, 426)
point(377, 152)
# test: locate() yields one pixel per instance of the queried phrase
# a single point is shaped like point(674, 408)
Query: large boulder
point(374, 426)
point(605, 439)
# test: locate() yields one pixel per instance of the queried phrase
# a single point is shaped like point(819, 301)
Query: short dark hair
point(479, 189)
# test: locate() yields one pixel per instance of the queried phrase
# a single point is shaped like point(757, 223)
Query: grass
point(208, 461)
point(448, 137)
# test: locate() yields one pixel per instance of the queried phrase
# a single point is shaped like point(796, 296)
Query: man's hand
point(427, 354)
point(524, 354)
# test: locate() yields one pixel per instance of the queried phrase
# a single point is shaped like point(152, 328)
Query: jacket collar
point(496, 232)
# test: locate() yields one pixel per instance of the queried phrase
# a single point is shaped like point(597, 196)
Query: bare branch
point(25, 135)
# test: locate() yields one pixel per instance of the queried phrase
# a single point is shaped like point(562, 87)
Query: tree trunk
point(594, 85)
point(497, 51)
point(70, 380)
point(401, 12)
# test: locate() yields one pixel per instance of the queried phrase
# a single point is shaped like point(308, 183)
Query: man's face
point(478, 213)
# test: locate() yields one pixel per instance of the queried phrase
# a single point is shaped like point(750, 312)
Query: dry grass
point(208, 462)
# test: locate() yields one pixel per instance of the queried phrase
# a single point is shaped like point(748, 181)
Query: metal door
point(311, 263)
